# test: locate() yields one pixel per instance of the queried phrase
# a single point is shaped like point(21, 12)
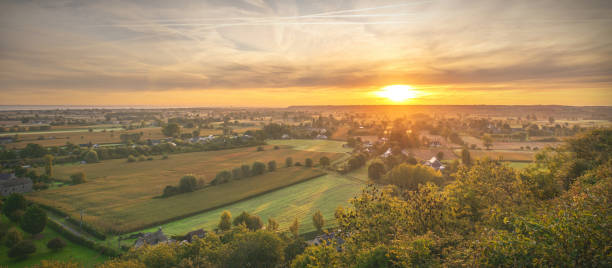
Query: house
point(151, 238)
point(285, 137)
point(328, 239)
point(434, 163)
point(9, 183)
point(6, 140)
point(199, 233)
point(435, 144)
point(387, 153)
point(321, 137)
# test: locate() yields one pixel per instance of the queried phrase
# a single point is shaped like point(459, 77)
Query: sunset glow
point(398, 93)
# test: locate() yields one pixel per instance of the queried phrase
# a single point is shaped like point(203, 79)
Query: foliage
point(49, 165)
point(376, 170)
point(258, 168)
point(318, 221)
point(13, 236)
point(324, 161)
point(34, 220)
point(22, 249)
point(466, 158)
point(487, 141)
point(252, 222)
point(171, 130)
point(272, 225)
point(91, 157)
point(308, 162)
point(288, 162)
point(272, 166)
point(188, 184)
point(295, 228)
point(14, 203)
point(410, 176)
point(226, 221)
point(56, 244)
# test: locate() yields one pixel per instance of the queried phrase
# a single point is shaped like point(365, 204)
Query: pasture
point(329, 146)
point(300, 201)
point(505, 155)
point(118, 196)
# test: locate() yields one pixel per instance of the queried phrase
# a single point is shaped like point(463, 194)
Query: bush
point(288, 161)
point(22, 249)
point(324, 161)
point(410, 176)
point(298, 164)
point(276, 147)
point(78, 178)
point(13, 203)
point(260, 148)
point(222, 177)
point(142, 158)
point(170, 190)
point(272, 165)
point(376, 170)
point(188, 184)
point(258, 168)
point(308, 162)
point(164, 157)
point(91, 157)
point(56, 244)
point(34, 220)
point(131, 159)
point(246, 170)
point(237, 173)
point(13, 236)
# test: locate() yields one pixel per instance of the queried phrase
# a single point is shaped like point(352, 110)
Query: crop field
point(329, 146)
point(300, 201)
point(516, 145)
point(72, 251)
point(519, 156)
point(119, 195)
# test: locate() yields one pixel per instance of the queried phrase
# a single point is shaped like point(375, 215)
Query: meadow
point(72, 251)
point(505, 155)
point(119, 196)
point(299, 201)
point(329, 146)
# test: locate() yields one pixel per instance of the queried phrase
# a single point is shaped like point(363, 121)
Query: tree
point(376, 170)
point(318, 221)
point(256, 249)
point(272, 225)
point(324, 161)
point(34, 220)
point(466, 158)
point(272, 165)
point(171, 130)
point(308, 162)
point(222, 177)
point(237, 173)
point(258, 168)
point(78, 178)
point(170, 190)
point(226, 221)
point(188, 184)
point(49, 165)
point(241, 219)
point(13, 236)
point(487, 141)
point(246, 170)
point(15, 202)
point(22, 249)
point(254, 223)
point(295, 228)
point(288, 161)
point(440, 155)
point(56, 244)
point(410, 176)
point(91, 157)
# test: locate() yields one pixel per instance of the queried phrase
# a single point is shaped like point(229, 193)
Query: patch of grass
point(329, 146)
point(119, 195)
point(72, 251)
point(301, 200)
point(518, 165)
point(505, 155)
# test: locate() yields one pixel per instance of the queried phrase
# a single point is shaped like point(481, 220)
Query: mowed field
point(119, 195)
point(518, 156)
point(329, 146)
point(299, 201)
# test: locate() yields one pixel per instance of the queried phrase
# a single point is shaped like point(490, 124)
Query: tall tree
point(466, 158)
point(226, 221)
point(49, 165)
point(295, 228)
point(318, 221)
point(34, 220)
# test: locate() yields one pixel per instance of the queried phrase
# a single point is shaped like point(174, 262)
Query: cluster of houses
point(9, 183)
point(159, 237)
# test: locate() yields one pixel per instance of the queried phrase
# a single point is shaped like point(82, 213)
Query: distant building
point(6, 140)
point(434, 163)
point(9, 183)
point(151, 238)
point(285, 137)
point(199, 233)
point(321, 137)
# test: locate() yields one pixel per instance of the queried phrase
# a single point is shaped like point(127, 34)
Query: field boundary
point(323, 173)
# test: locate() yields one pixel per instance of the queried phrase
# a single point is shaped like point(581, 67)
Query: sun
point(397, 93)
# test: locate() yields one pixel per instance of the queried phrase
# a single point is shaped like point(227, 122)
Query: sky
point(254, 53)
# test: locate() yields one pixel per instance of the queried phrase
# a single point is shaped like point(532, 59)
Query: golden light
point(398, 93)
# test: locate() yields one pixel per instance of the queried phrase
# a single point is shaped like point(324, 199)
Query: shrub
point(288, 161)
point(34, 220)
point(258, 168)
point(246, 170)
point(222, 177)
point(149, 158)
point(298, 164)
point(56, 244)
point(409, 177)
point(78, 178)
point(276, 147)
point(226, 221)
point(324, 161)
point(131, 159)
point(376, 170)
point(13, 203)
point(308, 162)
point(91, 157)
point(142, 158)
point(170, 190)
point(272, 165)
point(260, 148)
point(22, 249)
point(237, 173)
point(188, 184)
point(164, 156)
point(13, 236)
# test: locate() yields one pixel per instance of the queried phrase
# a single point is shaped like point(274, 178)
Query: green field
point(74, 252)
point(506, 155)
point(518, 165)
point(324, 193)
point(329, 146)
point(119, 195)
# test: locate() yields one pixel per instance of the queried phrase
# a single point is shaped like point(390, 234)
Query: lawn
point(74, 252)
point(329, 146)
point(301, 200)
point(119, 195)
point(518, 165)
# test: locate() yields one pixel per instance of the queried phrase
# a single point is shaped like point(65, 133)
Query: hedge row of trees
point(244, 171)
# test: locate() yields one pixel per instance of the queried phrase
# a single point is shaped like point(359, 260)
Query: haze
point(280, 53)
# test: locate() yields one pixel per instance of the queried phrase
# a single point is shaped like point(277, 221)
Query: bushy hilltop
point(557, 212)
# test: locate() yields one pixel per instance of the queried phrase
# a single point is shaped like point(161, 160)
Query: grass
point(518, 165)
point(300, 201)
point(72, 251)
point(329, 146)
point(119, 196)
point(506, 155)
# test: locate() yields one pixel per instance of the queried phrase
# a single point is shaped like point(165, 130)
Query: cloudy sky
point(279, 53)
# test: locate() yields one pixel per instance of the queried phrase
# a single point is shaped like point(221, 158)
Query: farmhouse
point(200, 233)
point(9, 183)
point(434, 163)
point(151, 238)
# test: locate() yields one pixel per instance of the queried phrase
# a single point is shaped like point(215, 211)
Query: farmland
point(505, 155)
point(329, 146)
point(299, 201)
point(119, 195)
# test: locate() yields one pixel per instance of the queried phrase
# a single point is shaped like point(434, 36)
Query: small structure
point(151, 238)
point(199, 233)
point(321, 137)
point(387, 153)
point(285, 137)
point(328, 239)
point(6, 140)
point(9, 183)
point(434, 163)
